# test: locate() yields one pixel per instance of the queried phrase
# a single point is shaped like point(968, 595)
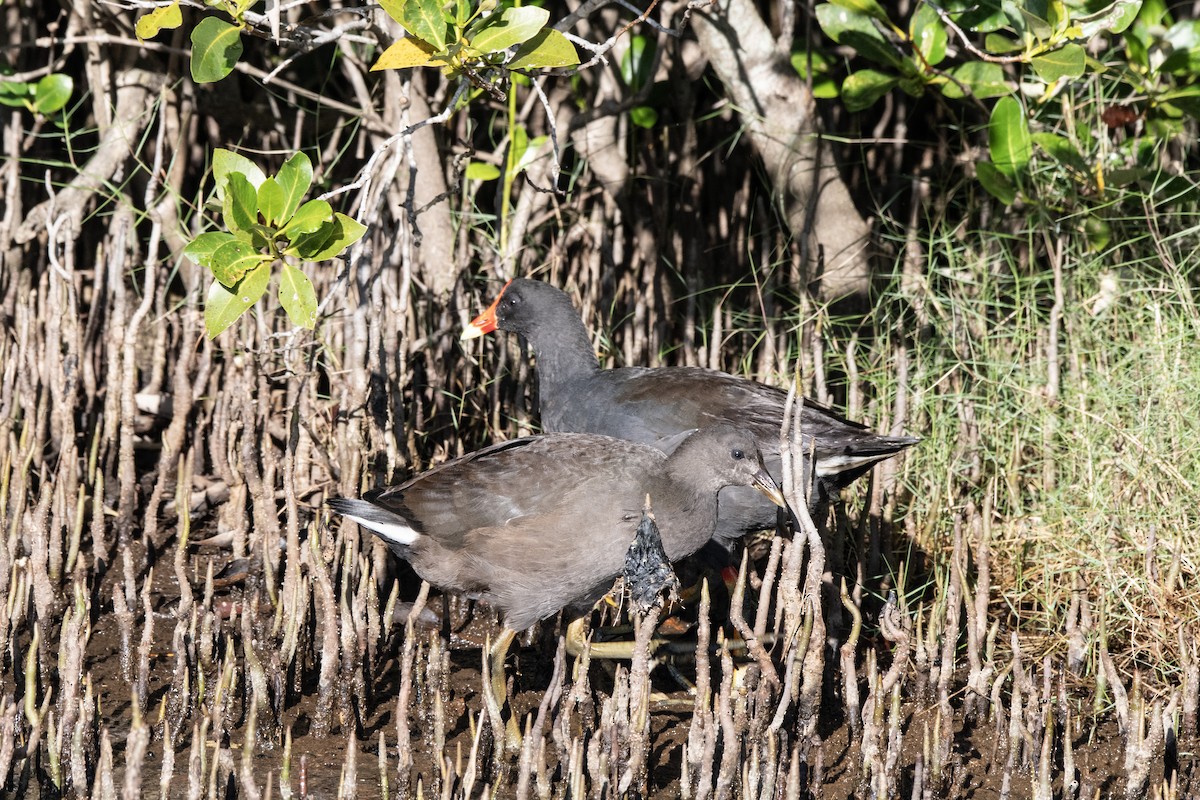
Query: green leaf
point(1098, 233)
point(1114, 18)
point(309, 246)
point(259, 236)
point(835, 21)
point(1009, 141)
point(200, 250)
point(421, 18)
point(873, 46)
point(346, 230)
point(511, 27)
point(16, 94)
point(52, 93)
point(825, 88)
point(530, 153)
point(913, 86)
point(270, 201)
point(801, 58)
point(1057, 15)
point(1154, 12)
point(225, 305)
point(547, 50)
point(232, 260)
point(394, 8)
point(1182, 42)
point(240, 7)
point(308, 218)
point(1186, 100)
point(997, 184)
point(1068, 61)
point(216, 48)
point(980, 78)
point(978, 16)
point(241, 203)
point(869, 8)
point(518, 143)
point(407, 52)
point(297, 297)
point(328, 242)
point(1060, 149)
point(462, 12)
point(1029, 17)
point(861, 89)
point(226, 162)
point(928, 34)
point(856, 30)
point(823, 85)
point(482, 171)
point(637, 61)
point(1136, 47)
point(1001, 44)
point(295, 179)
point(162, 18)
point(643, 116)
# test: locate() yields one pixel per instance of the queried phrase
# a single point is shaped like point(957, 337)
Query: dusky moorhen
point(543, 523)
point(660, 405)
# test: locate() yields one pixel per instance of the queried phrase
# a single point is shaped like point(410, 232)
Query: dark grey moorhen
point(659, 406)
point(543, 523)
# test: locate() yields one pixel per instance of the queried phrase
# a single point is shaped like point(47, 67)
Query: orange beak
point(485, 322)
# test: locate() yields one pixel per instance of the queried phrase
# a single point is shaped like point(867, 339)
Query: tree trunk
point(777, 109)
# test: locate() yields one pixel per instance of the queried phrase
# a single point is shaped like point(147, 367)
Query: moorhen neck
point(659, 406)
point(543, 523)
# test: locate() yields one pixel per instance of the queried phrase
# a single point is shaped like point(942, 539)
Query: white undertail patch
point(392, 531)
point(392, 527)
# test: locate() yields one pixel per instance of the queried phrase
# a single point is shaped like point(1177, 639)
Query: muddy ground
point(980, 766)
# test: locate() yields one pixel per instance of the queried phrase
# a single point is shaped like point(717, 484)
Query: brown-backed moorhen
point(659, 406)
point(544, 523)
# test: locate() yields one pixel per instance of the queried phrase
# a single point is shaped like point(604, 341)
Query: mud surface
point(980, 765)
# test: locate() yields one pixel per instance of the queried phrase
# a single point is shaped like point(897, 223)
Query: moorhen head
point(660, 406)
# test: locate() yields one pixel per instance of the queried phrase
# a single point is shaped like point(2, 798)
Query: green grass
point(1079, 484)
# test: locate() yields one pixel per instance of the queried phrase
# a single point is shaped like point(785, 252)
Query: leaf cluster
point(44, 96)
point(1037, 68)
point(267, 223)
point(1046, 35)
point(216, 44)
point(470, 39)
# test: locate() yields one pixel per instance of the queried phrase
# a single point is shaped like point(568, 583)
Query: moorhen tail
point(544, 523)
point(660, 406)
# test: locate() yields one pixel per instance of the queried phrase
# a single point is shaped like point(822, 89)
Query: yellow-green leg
point(496, 657)
point(577, 643)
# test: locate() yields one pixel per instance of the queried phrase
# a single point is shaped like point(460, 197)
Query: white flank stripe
point(832, 465)
point(396, 532)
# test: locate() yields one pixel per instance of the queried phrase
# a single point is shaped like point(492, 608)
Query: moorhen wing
point(659, 406)
point(543, 523)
